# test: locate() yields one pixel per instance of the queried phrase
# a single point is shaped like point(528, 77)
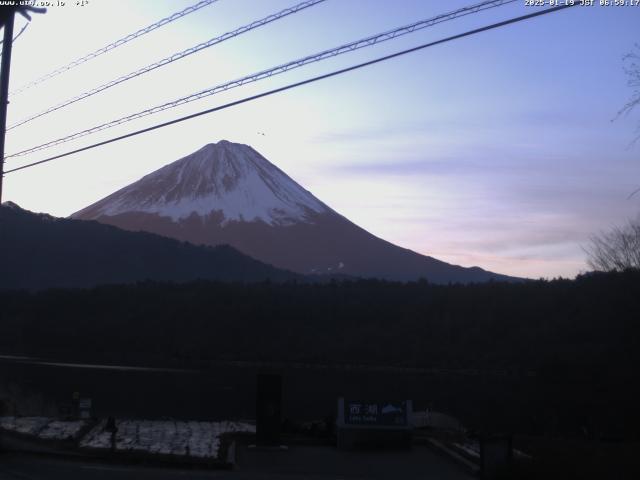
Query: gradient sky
point(497, 150)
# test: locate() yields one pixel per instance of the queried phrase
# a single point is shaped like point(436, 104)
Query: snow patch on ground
point(62, 430)
point(471, 448)
point(43, 427)
point(436, 420)
point(97, 437)
point(196, 439)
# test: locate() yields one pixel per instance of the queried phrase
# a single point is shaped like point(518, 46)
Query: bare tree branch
point(631, 66)
point(615, 250)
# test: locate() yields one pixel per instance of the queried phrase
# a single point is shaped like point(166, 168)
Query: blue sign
point(375, 413)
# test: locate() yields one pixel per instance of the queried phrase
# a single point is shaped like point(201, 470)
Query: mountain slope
point(40, 251)
point(227, 193)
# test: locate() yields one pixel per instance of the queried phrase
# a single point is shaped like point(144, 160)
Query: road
point(30, 467)
point(315, 463)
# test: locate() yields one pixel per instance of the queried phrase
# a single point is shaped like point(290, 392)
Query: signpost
point(374, 423)
point(375, 413)
point(84, 408)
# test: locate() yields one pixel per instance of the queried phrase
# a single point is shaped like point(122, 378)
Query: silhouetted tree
point(617, 249)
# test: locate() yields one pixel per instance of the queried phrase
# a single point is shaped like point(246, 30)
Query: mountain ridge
point(229, 193)
point(39, 251)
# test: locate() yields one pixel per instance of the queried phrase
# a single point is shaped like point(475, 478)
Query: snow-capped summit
point(229, 179)
point(227, 193)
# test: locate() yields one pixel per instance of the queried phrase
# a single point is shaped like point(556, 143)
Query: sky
point(501, 150)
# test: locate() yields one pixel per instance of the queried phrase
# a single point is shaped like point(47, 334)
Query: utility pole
point(7, 16)
point(4, 88)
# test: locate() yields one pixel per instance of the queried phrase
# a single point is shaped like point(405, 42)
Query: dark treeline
point(585, 325)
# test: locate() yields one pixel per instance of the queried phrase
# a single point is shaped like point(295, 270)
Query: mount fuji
point(227, 193)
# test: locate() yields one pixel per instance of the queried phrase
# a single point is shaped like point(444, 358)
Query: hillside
point(39, 251)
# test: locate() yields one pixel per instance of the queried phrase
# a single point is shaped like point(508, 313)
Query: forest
point(538, 356)
point(575, 326)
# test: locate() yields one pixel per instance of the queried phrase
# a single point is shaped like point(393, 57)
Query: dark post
point(4, 88)
point(268, 409)
point(496, 456)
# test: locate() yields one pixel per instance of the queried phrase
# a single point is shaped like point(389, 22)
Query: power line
point(349, 47)
point(117, 43)
point(298, 84)
point(172, 58)
point(24, 27)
